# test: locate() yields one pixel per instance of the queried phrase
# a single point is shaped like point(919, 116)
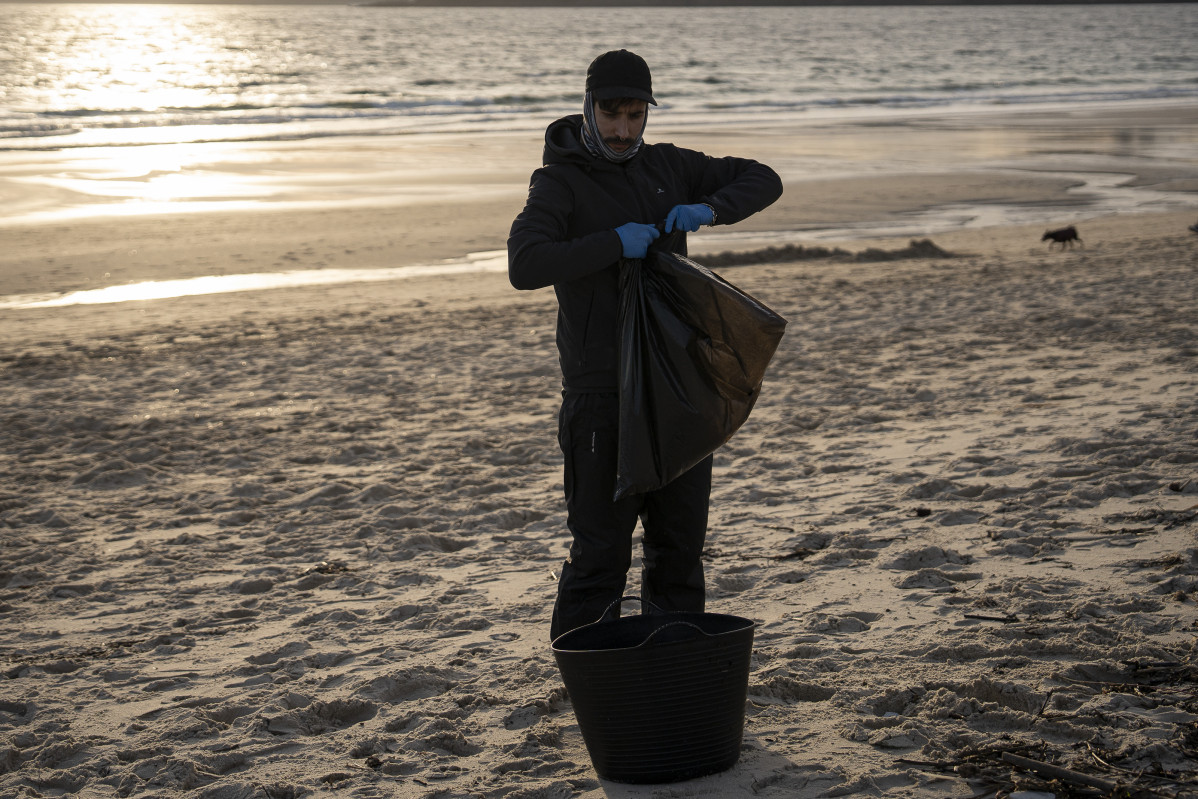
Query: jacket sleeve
point(539, 253)
point(736, 188)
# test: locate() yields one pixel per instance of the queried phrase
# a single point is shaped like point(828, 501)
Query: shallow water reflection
point(491, 261)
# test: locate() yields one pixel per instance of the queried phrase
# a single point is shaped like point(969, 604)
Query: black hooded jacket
point(565, 237)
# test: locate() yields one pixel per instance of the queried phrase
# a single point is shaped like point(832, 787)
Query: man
point(596, 201)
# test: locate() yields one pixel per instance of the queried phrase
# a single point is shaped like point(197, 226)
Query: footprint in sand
point(316, 717)
point(784, 690)
point(926, 557)
point(936, 579)
point(855, 622)
point(407, 684)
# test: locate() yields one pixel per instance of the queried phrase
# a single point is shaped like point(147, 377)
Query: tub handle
point(649, 638)
point(613, 610)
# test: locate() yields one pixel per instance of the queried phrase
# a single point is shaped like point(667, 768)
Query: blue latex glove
point(689, 217)
point(636, 238)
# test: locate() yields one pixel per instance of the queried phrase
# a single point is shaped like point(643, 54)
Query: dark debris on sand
point(922, 248)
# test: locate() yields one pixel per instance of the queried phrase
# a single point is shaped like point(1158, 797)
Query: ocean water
point(209, 89)
point(76, 75)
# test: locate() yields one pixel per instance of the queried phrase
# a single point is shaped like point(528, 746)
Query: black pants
point(674, 519)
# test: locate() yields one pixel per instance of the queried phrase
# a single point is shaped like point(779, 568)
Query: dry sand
point(303, 542)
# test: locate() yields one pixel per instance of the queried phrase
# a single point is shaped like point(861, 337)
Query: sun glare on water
point(488, 261)
point(137, 59)
point(131, 63)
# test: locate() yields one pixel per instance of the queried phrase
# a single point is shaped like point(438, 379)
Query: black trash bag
point(693, 354)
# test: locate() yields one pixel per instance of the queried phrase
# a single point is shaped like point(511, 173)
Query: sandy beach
point(303, 541)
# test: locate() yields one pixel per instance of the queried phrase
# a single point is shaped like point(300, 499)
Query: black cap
point(620, 73)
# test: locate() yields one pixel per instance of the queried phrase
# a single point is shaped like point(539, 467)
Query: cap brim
point(610, 92)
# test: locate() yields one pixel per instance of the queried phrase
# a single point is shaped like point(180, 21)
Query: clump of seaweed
point(922, 248)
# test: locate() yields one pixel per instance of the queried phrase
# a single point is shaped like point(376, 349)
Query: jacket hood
point(563, 145)
point(563, 142)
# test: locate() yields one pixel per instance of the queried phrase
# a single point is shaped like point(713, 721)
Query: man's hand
point(689, 217)
point(636, 238)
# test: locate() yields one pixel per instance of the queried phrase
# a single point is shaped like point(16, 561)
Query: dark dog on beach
point(1065, 237)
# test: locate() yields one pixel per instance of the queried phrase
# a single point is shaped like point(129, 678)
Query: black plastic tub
point(659, 697)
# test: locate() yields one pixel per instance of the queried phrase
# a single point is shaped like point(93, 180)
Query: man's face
point(621, 128)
